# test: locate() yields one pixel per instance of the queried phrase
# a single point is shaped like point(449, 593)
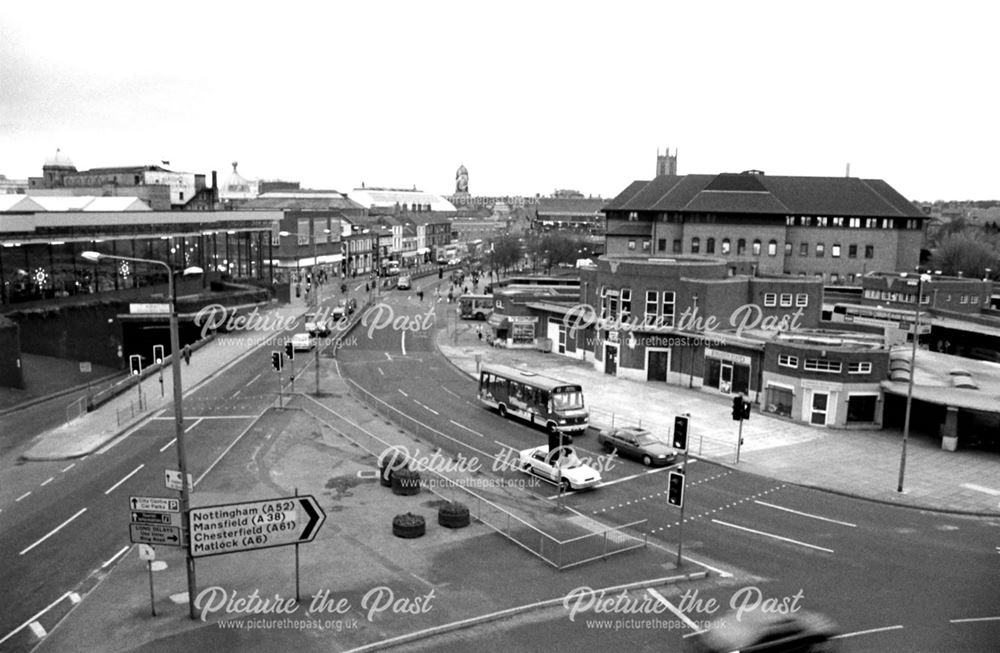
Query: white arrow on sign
point(235, 527)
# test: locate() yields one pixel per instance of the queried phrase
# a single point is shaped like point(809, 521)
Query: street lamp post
point(913, 370)
point(175, 355)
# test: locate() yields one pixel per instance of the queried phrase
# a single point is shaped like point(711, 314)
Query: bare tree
point(967, 254)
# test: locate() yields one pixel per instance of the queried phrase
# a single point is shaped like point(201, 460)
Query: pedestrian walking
point(479, 332)
point(187, 354)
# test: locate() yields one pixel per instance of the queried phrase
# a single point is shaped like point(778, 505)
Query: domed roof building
point(56, 167)
point(238, 188)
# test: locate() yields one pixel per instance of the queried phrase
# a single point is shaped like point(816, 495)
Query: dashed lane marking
point(463, 426)
point(868, 632)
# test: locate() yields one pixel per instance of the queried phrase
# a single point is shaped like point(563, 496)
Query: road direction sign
point(172, 478)
point(154, 504)
point(169, 518)
point(235, 527)
point(155, 534)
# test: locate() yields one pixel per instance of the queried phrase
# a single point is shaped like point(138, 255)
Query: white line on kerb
point(463, 426)
point(972, 620)
point(115, 556)
point(400, 390)
point(66, 469)
point(25, 495)
point(47, 481)
point(402, 342)
point(54, 531)
point(772, 535)
point(127, 477)
point(806, 514)
point(36, 616)
point(868, 632)
point(164, 447)
point(670, 606)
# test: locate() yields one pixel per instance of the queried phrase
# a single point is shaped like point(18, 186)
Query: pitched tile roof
point(745, 193)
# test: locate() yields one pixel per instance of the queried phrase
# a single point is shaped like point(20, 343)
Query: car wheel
point(565, 486)
point(502, 410)
point(647, 461)
point(526, 467)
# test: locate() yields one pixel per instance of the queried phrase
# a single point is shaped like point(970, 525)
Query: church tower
point(666, 164)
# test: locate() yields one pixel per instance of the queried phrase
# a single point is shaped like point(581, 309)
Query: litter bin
point(543, 344)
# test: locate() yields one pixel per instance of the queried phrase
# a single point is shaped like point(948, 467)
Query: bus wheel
point(502, 410)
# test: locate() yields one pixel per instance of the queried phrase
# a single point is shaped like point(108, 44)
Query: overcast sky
point(529, 96)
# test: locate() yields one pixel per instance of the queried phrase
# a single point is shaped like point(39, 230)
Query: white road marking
point(66, 469)
point(401, 392)
point(380, 371)
point(194, 424)
point(167, 445)
point(110, 560)
point(402, 342)
point(53, 532)
point(37, 630)
point(23, 496)
point(867, 632)
point(47, 481)
point(426, 407)
point(387, 356)
point(806, 514)
point(640, 474)
point(454, 394)
point(253, 379)
point(772, 535)
point(127, 477)
point(981, 488)
point(34, 618)
point(237, 393)
point(463, 426)
point(670, 606)
point(973, 620)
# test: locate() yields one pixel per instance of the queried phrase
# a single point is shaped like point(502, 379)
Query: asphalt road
point(892, 578)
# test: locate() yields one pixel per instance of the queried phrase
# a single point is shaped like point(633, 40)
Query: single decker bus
point(555, 405)
point(475, 307)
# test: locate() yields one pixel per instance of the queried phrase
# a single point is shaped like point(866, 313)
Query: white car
point(561, 466)
point(316, 325)
point(403, 282)
point(302, 342)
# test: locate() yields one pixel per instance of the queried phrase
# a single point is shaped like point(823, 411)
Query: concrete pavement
point(862, 463)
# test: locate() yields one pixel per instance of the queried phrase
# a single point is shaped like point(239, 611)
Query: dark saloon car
point(637, 443)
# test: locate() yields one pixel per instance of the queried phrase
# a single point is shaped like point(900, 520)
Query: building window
point(806, 221)
point(710, 246)
point(626, 303)
point(861, 408)
point(677, 246)
point(772, 248)
point(652, 303)
point(741, 247)
point(974, 300)
point(821, 221)
point(801, 299)
point(770, 299)
point(887, 223)
point(871, 223)
point(821, 365)
point(667, 309)
point(661, 244)
point(786, 299)
point(838, 222)
point(522, 334)
point(303, 232)
point(964, 299)
point(789, 220)
point(788, 249)
point(835, 251)
point(859, 368)
point(725, 246)
point(631, 244)
point(695, 245)
point(645, 245)
point(854, 223)
point(869, 251)
point(852, 251)
point(633, 216)
point(803, 249)
point(820, 248)
point(779, 401)
point(785, 360)
point(755, 248)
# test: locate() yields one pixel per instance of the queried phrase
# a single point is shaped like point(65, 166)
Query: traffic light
point(290, 351)
point(737, 408)
point(675, 489)
point(135, 364)
point(746, 410)
point(440, 273)
point(157, 354)
point(680, 432)
point(276, 361)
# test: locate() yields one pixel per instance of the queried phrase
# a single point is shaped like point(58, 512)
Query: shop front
point(727, 371)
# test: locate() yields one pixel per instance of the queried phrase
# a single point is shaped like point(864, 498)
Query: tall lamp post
point(913, 369)
point(178, 397)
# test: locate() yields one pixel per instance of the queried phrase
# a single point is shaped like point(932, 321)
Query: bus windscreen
point(567, 399)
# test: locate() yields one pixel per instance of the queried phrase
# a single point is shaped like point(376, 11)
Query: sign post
point(236, 527)
point(148, 554)
point(155, 520)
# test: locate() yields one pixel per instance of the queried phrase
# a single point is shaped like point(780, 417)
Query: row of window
point(850, 223)
point(658, 308)
point(824, 365)
point(785, 299)
point(756, 247)
point(910, 298)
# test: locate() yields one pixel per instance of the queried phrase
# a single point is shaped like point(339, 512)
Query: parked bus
point(476, 307)
point(553, 404)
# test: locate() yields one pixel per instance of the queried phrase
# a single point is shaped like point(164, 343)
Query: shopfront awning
point(424, 250)
point(409, 254)
point(499, 321)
